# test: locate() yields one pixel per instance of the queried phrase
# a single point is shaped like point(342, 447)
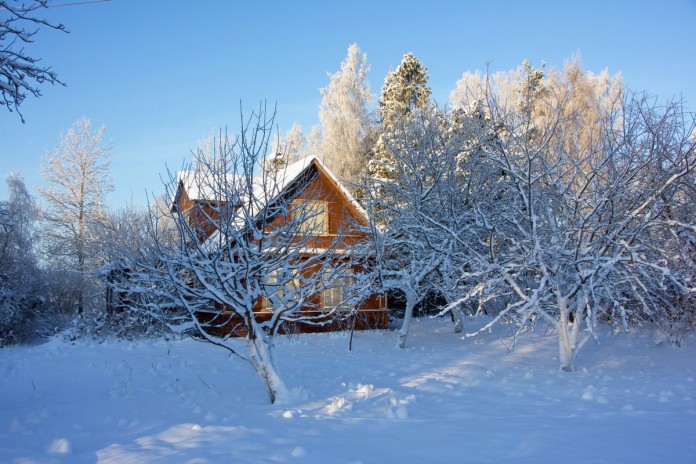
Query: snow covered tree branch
point(20, 74)
point(579, 204)
point(79, 176)
point(250, 259)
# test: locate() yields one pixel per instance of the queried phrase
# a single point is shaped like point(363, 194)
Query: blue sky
point(161, 75)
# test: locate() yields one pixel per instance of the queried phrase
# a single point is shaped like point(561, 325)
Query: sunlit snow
point(442, 399)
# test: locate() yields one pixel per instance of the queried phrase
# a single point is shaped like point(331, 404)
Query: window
point(337, 292)
point(315, 215)
point(281, 288)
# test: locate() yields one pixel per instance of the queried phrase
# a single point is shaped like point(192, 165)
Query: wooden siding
point(229, 324)
point(198, 213)
point(343, 217)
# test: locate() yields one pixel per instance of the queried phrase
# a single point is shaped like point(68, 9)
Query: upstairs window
point(314, 215)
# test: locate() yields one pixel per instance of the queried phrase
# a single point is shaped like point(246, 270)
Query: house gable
point(343, 216)
point(307, 181)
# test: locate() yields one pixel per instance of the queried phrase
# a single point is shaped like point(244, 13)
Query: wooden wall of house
point(343, 219)
point(199, 213)
point(364, 318)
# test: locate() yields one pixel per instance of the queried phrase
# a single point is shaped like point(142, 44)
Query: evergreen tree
point(405, 91)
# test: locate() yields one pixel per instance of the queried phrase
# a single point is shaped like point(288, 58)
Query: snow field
point(442, 399)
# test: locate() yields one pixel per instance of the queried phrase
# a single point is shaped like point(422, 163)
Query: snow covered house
point(334, 214)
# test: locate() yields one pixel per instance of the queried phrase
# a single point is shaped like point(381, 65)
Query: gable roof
point(199, 188)
point(196, 184)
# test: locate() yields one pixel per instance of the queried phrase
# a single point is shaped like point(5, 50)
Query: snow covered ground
point(443, 399)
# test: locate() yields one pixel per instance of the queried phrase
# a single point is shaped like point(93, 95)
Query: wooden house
point(334, 211)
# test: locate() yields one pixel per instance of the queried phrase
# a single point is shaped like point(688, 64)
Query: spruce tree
point(405, 91)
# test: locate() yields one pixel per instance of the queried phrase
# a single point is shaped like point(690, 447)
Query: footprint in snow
point(665, 396)
point(588, 394)
point(298, 452)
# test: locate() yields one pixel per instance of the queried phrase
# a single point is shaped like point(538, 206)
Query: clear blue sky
point(160, 75)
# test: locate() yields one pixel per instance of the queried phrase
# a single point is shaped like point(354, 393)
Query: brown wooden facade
point(342, 215)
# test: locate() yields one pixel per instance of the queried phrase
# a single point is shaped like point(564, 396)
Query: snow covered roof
point(201, 189)
point(199, 185)
point(358, 207)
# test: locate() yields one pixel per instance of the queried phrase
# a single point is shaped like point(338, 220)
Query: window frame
point(338, 285)
point(315, 220)
point(271, 281)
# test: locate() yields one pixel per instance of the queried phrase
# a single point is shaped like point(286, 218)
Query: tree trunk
point(263, 362)
point(81, 231)
point(457, 320)
point(566, 353)
point(569, 342)
point(408, 316)
point(566, 346)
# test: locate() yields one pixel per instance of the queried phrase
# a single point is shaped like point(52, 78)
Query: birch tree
point(250, 264)
point(344, 116)
point(78, 174)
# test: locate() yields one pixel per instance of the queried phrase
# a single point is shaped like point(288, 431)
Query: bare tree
point(248, 260)
point(293, 147)
point(417, 212)
point(572, 223)
point(79, 175)
point(20, 74)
